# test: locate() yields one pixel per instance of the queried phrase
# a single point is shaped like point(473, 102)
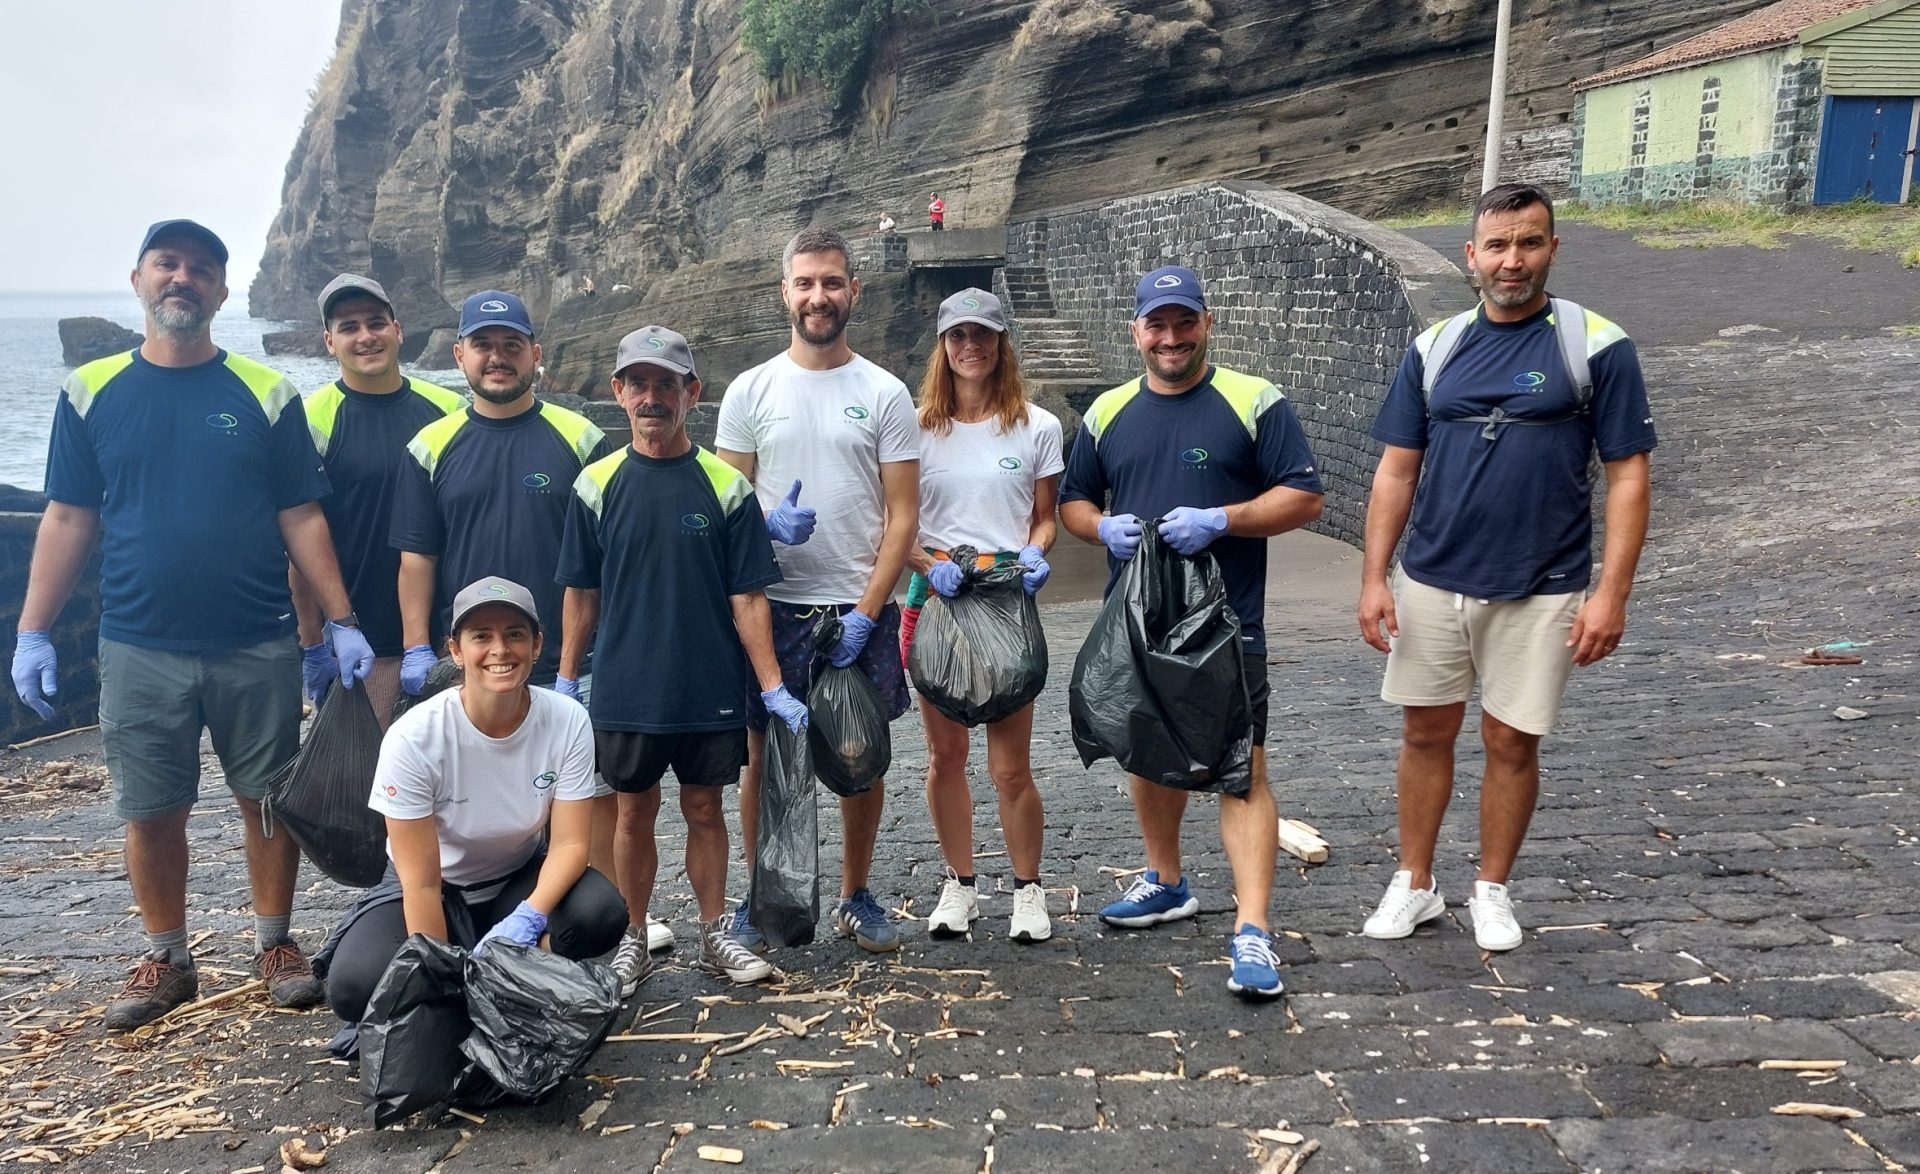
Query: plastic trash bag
point(846, 724)
point(980, 656)
point(320, 798)
point(1159, 685)
point(537, 1017)
point(411, 1033)
point(443, 675)
point(784, 898)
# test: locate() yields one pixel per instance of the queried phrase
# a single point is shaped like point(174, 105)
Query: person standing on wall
point(1489, 426)
point(195, 470)
point(937, 213)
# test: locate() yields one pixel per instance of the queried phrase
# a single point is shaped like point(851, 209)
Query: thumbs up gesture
point(790, 522)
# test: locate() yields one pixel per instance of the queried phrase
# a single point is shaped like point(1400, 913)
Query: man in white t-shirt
point(820, 421)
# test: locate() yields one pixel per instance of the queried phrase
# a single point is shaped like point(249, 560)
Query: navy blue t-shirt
point(362, 440)
point(487, 496)
point(666, 542)
point(1511, 516)
point(189, 468)
point(1226, 440)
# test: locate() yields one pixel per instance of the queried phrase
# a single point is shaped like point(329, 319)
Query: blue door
point(1863, 150)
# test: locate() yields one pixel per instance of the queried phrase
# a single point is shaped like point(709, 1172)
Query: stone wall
point(1321, 302)
point(76, 634)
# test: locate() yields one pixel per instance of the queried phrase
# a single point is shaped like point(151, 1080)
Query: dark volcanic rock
point(82, 340)
point(305, 343)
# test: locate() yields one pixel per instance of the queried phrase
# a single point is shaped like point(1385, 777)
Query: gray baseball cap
point(493, 589)
point(656, 345)
point(972, 305)
point(352, 283)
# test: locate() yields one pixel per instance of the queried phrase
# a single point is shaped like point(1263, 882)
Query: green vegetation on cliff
point(831, 42)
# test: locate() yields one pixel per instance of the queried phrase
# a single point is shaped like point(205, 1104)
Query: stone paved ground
point(1721, 873)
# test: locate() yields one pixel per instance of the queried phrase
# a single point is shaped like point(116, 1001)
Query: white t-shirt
point(489, 797)
point(831, 431)
point(976, 482)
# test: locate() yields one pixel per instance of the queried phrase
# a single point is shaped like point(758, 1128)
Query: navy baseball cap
point(494, 307)
point(194, 229)
point(1170, 285)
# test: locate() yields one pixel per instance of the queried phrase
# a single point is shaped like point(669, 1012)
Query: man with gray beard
point(195, 469)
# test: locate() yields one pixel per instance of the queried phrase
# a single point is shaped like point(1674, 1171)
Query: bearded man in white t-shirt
point(821, 424)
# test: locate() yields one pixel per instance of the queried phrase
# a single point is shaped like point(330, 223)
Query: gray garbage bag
point(320, 798)
point(537, 1017)
point(980, 656)
point(784, 897)
point(411, 1033)
point(852, 746)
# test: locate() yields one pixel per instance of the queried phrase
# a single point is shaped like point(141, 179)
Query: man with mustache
point(1220, 460)
point(819, 416)
point(1489, 426)
point(668, 556)
point(195, 469)
point(361, 423)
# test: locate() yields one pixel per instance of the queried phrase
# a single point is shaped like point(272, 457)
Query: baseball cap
point(1169, 285)
point(972, 305)
point(199, 232)
point(493, 589)
point(656, 345)
point(351, 283)
point(494, 307)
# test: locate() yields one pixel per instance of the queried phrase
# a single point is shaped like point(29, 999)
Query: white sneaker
point(720, 954)
point(1494, 926)
point(958, 907)
point(1402, 908)
point(659, 935)
point(1030, 923)
point(631, 962)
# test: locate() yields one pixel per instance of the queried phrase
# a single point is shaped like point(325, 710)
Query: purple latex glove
point(1121, 533)
point(1035, 560)
point(946, 578)
point(1190, 530)
point(790, 522)
point(523, 926)
point(855, 627)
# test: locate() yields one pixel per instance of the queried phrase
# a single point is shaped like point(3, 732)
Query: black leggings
point(586, 923)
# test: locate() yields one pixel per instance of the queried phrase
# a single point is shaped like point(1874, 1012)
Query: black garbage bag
point(784, 896)
point(320, 798)
point(846, 724)
point(411, 1033)
point(980, 656)
point(537, 1017)
point(443, 675)
point(1159, 685)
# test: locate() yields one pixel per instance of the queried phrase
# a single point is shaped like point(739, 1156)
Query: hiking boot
point(861, 918)
point(954, 914)
point(632, 962)
point(659, 935)
point(155, 988)
point(1494, 925)
point(1256, 972)
point(1149, 902)
point(722, 954)
point(743, 931)
point(1403, 908)
point(288, 975)
point(1030, 922)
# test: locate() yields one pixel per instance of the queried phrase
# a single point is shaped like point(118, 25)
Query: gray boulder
point(82, 340)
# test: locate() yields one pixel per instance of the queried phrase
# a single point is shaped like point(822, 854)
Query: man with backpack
point(1493, 417)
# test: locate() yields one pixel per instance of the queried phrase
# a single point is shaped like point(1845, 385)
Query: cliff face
point(456, 144)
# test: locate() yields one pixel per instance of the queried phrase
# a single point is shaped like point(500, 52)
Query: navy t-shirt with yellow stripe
point(487, 496)
point(1228, 439)
point(666, 542)
point(189, 468)
point(362, 438)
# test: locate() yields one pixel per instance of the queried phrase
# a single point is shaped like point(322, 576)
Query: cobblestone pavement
point(1722, 873)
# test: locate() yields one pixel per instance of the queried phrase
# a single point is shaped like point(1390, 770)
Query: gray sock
point(170, 947)
point(269, 932)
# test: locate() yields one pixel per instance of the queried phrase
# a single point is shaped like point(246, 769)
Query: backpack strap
point(1570, 325)
point(1570, 330)
point(1441, 349)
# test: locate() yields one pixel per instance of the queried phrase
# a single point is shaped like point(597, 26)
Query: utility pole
point(1497, 101)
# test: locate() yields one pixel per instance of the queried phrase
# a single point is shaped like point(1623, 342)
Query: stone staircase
point(1061, 371)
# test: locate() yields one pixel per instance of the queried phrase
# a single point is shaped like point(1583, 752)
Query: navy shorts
point(793, 625)
point(632, 763)
point(1258, 691)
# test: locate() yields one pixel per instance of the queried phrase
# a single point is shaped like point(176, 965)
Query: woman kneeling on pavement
point(471, 781)
point(990, 468)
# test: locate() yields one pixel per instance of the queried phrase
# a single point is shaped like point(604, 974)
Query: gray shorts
point(154, 703)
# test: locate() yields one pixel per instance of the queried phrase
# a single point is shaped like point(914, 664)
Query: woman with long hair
point(990, 465)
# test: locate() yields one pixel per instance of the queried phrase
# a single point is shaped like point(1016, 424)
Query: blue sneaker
point(862, 918)
point(1149, 902)
point(1256, 973)
point(742, 930)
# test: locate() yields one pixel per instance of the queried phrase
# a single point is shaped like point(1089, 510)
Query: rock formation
point(82, 340)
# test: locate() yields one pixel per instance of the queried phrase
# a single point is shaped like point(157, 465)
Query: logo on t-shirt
point(854, 413)
point(225, 422)
point(1195, 458)
point(545, 779)
point(1010, 464)
point(536, 482)
point(392, 790)
point(694, 523)
point(1532, 381)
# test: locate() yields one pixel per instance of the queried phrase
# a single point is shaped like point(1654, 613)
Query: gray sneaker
point(155, 988)
point(722, 954)
point(632, 962)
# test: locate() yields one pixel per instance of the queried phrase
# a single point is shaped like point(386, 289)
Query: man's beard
point(497, 396)
point(1194, 362)
point(827, 339)
point(175, 319)
point(1513, 301)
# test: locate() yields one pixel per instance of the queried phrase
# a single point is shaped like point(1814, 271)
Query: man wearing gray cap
point(667, 554)
point(195, 470)
point(361, 423)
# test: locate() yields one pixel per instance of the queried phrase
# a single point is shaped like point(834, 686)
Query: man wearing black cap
point(195, 469)
point(1219, 459)
point(361, 423)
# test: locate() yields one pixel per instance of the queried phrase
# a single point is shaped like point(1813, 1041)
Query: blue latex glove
point(1121, 533)
point(523, 926)
point(317, 666)
point(34, 670)
point(568, 687)
point(790, 522)
point(1035, 560)
point(855, 627)
point(351, 649)
point(1190, 530)
point(415, 663)
point(946, 578)
point(786, 707)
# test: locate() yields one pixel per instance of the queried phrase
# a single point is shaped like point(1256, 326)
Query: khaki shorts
point(1516, 648)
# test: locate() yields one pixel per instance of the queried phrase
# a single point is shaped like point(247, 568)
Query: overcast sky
point(131, 111)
